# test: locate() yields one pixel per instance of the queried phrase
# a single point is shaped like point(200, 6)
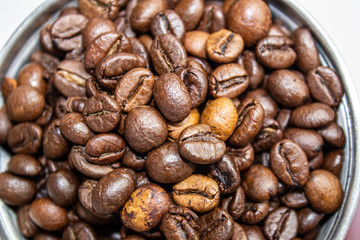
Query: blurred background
point(340, 19)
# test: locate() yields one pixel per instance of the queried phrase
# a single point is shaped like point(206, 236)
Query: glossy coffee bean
point(7, 86)
point(133, 160)
point(79, 230)
point(220, 114)
point(26, 227)
point(85, 193)
point(255, 212)
point(308, 219)
point(266, 101)
point(242, 157)
point(73, 127)
point(260, 183)
point(251, 19)
point(333, 161)
point(105, 8)
point(324, 191)
point(281, 224)
point(180, 223)
point(316, 162)
point(294, 199)
point(95, 27)
point(151, 135)
point(190, 12)
point(32, 74)
point(175, 129)
point(269, 134)
point(195, 43)
point(113, 190)
point(25, 138)
point(283, 118)
point(235, 204)
point(333, 134)
point(313, 115)
point(239, 232)
point(168, 21)
point(213, 19)
point(92, 217)
point(255, 70)
point(197, 192)
point(47, 215)
point(229, 80)
point(145, 208)
point(289, 163)
point(55, 145)
point(197, 144)
point(75, 104)
point(216, 224)
point(140, 49)
point(24, 165)
point(165, 165)
point(253, 232)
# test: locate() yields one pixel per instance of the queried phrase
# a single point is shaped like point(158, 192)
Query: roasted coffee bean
point(274, 202)
point(32, 74)
point(25, 103)
point(251, 19)
point(220, 114)
point(239, 232)
point(66, 31)
point(167, 54)
point(113, 190)
point(308, 220)
point(195, 43)
point(250, 119)
point(142, 180)
point(24, 165)
point(228, 80)
point(47, 215)
point(289, 163)
point(45, 116)
point(283, 118)
point(60, 107)
point(133, 160)
point(305, 47)
point(16, 191)
point(313, 115)
point(134, 89)
point(91, 217)
point(5, 125)
point(26, 227)
point(180, 223)
point(47, 236)
point(105, 45)
point(263, 159)
point(253, 232)
point(55, 145)
point(95, 27)
point(255, 71)
point(85, 193)
point(269, 134)
point(224, 46)
point(242, 157)
point(168, 21)
point(190, 12)
point(7, 86)
point(145, 129)
point(324, 191)
point(294, 199)
point(275, 30)
point(288, 89)
point(55, 165)
point(201, 62)
point(316, 162)
point(197, 192)
point(175, 129)
point(75, 104)
point(145, 208)
point(73, 127)
point(105, 8)
point(79, 230)
point(333, 161)
point(197, 144)
point(225, 173)
point(70, 78)
point(213, 19)
point(25, 138)
point(139, 48)
point(333, 134)
point(281, 224)
point(45, 40)
point(165, 165)
point(266, 101)
point(134, 237)
point(235, 204)
point(260, 183)
point(216, 224)
point(255, 212)
point(146, 40)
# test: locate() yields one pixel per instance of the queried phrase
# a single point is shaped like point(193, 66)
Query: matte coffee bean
point(195, 43)
point(168, 21)
point(95, 27)
point(216, 224)
point(16, 191)
point(324, 191)
point(190, 12)
point(141, 135)
point(175, 129)
point(180, 223)
point(25, 138)
point(47, 215)
point(167, 54)
point(26, 227)
point(7, 86)
point(55, 145)
point(197, 192)
point(197, 144)
point(255, 71)
point(73, 127)
point(308, 219)
point(313, 115)
point(333, 161)
point(281, 224)
point(255, 212)
point(242, 157)
point(105, 8)
point(294, 199)
point(145, 208)
point(235, 204)
point(32, 74)
point(165, 165)
point(269, 134)
point(266, 101)
point(79, 230)
point(133, 160)
point(260, 183)
point(213, 19)
point(333, 134)
point(24, 165)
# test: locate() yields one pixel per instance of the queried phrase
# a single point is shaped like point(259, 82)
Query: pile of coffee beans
point(172, 119)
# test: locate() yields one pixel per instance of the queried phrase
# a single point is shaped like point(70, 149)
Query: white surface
point(340, 19)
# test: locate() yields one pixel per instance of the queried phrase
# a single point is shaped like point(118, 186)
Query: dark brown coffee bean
point(95, 27)
point(60, 107)
point(305, 47)
point(105, 8)
point(324, 191)
point(25, 138)
point(142, 180)
point(25, 103)
point(333, 134)
point(140, 49)
point(308, 220)
point(85, 193)
point(134, 89)
point(75, 104)
point(269, 134)
point(255, 212)
point(260, 183)
point(224, 46)
point(133, 160)
point(266, 101)
point(242, 157)
point(5, 125)
point(145, 208)
point(263, 159)
point(70, 78)
point(190, 12)
point(235, 204)
point(66, 31)
point(32, 74)
point(275, 30)
point(333, 161)
point(255, 71)
point(62, 187)
point(26, 227)
point(180, 223)
point(197, 144)
point(283, 118)
point(253, 232)
point(250, 119)
point(281, 224)
point(146, 40)
point(134, 237)
point(73, 127)
point(313, 115)
point(79, 230)
point(47, 215)
point(213, 19)
point(229, 80)
point(45, 116)
point(294, 199)
point(217, 224)
point(57, 165)
point(251, 19)
point(289, 163)
point(168, 21)
point(55, 145)
point(316, 162)
point(16, 191)
point(113, 190)
point(24, 165)
point(287, 89)
point(7, 86)
point(167, 54)
point(239, 232)
point(151, 135)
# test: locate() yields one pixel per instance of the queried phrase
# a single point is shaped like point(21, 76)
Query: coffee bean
point(266, 101)
point(25, 138)
point(294, 199)
point(190, 12)
point(55, 145)
point(79, 230)
point(168, 21)
point(133, 160)
point(175, 129)
point(308, 220)
point(213, 19)
point(32, 74)
point(255, 212)
point(281, 224)
point(253, 232)
point(313, 115)
point(255, 71)
point(26, 227)
point(235, 204)
point(217, 224)
point(316, 162)
point(106, 8)
point(242, 157)
point(95, 27)
point(24, 165)
point(7, 86)
point(333, 161)
point(73, 127)
point(283, 118)
point(269, 134)
point(333, 134)
point(140, 49)
point(239, 232)
point(195, 43)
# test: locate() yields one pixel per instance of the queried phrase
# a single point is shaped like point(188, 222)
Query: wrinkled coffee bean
point(217, 224)
point(281, 224)
point(25, 138)
point(26, 227)
point(235, 204)
point(95, 8)
point(242, 157)
point(255, 212)
point(269, 134)
point(73, 127)
point(294, 199)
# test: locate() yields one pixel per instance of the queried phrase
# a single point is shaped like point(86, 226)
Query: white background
point(340, 19)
